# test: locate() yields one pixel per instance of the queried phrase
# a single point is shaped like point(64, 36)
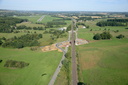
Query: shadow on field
point(43, 74)
point(81, 83)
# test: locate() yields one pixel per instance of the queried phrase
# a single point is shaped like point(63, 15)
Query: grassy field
point(32, 19)
point(39, 63)
point(46, 40)
point(48, 18)
point(29, 24)
point(88, 35)
point(104, 62)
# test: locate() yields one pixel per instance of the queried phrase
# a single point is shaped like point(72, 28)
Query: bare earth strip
point(41, 18)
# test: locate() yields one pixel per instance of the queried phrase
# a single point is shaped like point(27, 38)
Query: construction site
point(63, 44)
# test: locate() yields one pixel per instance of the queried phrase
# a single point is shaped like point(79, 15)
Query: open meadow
point(40, 70)
point(103, 62)
point(88, 33)
point(32, 19)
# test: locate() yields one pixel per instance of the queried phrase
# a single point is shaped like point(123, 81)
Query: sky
point(66, 5)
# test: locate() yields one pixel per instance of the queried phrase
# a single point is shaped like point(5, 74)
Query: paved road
point(52, 81)
point(41, 18)
point(73, 55)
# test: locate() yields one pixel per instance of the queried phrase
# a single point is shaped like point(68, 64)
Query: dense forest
point(22, 41)
point(7, 23)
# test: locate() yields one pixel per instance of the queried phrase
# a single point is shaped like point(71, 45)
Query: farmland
point(32, 19)
point(103, 62)
point(100, 62)
point(39, 63)
point(93, 29)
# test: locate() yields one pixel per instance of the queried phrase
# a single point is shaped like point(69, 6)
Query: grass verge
point(64, 77)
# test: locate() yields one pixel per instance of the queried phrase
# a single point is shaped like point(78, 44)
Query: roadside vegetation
point(64, 77)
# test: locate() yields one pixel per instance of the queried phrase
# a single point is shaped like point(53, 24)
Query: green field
point(39, 63)
point(32, 19)
point(48, 18)
point(88, 35)
point(104, 62)
point(29, 24)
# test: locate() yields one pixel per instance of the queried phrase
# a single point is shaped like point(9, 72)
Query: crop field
point(104, 62)
point(39, 63)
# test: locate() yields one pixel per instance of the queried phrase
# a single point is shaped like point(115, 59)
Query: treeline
point(113, 22)
point(118, 20)
point(7, 23)
point(81, 24)
point(54, 23)
point(109, 23)
point(61, 19)
point(28, 28)
point(22, 41)
point(55, 33)
point(84, 18)
point(11, 20)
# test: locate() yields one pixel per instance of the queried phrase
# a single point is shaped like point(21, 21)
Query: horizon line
point(60, 10)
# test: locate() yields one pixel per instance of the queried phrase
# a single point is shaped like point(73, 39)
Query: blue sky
point(66, 5)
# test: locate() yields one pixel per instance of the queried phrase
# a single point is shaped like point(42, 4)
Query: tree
point(1, 42)
point(68, 28)
point(40, 35)
point(19, 45)
point(120, 36)
point(97, 37)
point(1, 60)
point(104, 35)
